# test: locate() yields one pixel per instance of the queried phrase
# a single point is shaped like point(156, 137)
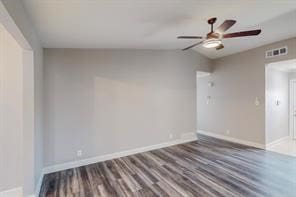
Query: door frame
point(292, 132)
point(13, 26)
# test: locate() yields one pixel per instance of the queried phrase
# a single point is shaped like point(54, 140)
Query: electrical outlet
point(79, 153)
point(227, 132)
point(208, 100)
point(171, 136)
point(257, 101)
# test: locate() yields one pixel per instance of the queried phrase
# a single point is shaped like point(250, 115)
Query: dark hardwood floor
point(207, 167)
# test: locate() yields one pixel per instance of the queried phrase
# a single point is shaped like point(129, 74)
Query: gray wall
point(11, 112)
point(106, 101)
point(33, 85)
point(238, 80)
point(292, 75)
point(277, 116)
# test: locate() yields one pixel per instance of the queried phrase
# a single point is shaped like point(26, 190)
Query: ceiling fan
point(214, 38)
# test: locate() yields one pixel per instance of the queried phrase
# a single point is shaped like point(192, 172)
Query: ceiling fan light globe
point(211, 43)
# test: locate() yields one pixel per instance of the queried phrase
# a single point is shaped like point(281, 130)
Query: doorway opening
point(16, 111)
point(280, 107)
point(202, 101)
point(292, 108)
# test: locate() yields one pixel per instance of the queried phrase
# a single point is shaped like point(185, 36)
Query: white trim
point(8, 22)
point(291, 109)
point(200, 74)
point(186, 137)
point(38, 186)
point(231, 139)
point(15, 192)
point(189, 136)
point(278, 141)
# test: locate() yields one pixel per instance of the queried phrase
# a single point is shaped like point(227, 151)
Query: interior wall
point(11, 112)
point(238, 79)
point(18, 23)
point(107, 101)
point(292, 75)
point(277, 114)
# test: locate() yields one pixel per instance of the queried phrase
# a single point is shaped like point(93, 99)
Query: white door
point(293, 107)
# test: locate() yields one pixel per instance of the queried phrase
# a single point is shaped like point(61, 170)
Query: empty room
point(147, 98)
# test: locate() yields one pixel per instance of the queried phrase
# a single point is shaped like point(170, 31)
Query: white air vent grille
point(276, 52)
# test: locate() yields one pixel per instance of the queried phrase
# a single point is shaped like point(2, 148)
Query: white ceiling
point(155, 24)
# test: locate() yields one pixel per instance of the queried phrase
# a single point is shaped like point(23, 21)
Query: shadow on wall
point(114, 100)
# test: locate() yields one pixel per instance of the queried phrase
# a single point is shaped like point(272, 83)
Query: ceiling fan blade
point(221, 46)
point(243, 33)
point(192, 46)
point(189, 37)
point(225, 26)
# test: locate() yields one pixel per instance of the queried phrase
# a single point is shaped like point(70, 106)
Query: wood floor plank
point(207, 168)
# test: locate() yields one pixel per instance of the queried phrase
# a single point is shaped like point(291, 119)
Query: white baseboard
point(276, 142)
point(186, 137)
point(231, 139)
point(38, 186)
point(15, 192)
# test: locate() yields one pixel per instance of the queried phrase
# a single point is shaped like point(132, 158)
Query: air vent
point(276, 52)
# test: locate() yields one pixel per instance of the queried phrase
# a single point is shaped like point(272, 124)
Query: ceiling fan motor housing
point(213, 35)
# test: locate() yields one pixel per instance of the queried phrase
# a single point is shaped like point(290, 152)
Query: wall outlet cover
point(257, 102)
point(79, 153)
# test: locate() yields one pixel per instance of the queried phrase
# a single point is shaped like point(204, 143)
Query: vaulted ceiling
point(155, 24)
